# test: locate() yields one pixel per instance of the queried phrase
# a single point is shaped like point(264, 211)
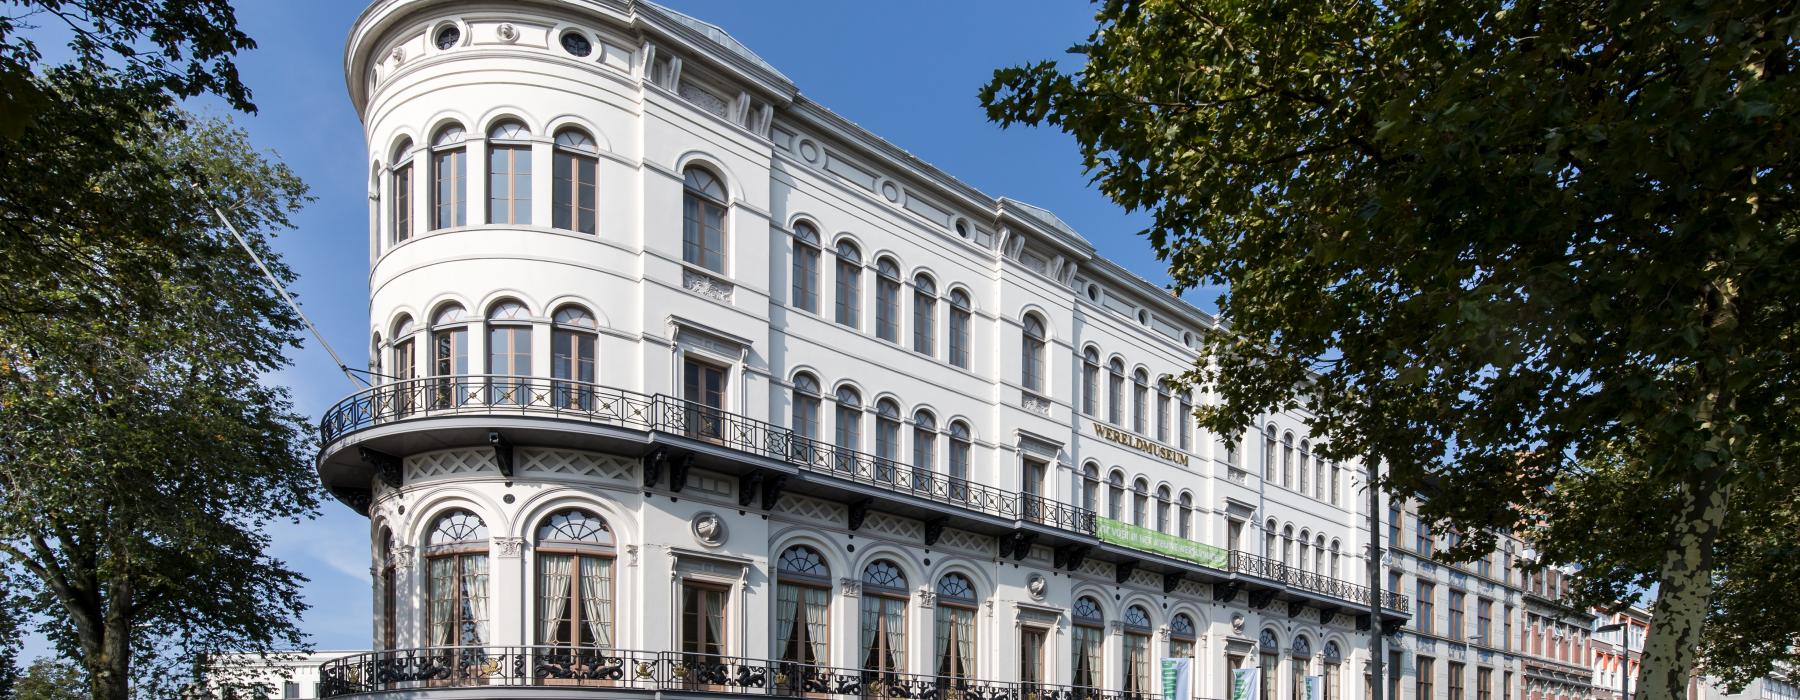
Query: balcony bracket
point(387, 466)
point(1022, 542)
point(1392, 627)
point(859, 511)
point(1261, 599)
point(1227, 591)
point(1171, 579)
point(749, 484)
point(1070, 556)
point(357, 499)
point(1327, 614)
point(934, 528)
point(653, 466)
point(503, 452)
point(771, 490)
point(1362, 622)
point(1294, 608)
point(1122, 571)
point(678, 471)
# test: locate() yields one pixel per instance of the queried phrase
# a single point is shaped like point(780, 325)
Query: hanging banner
point(1129, 535)
point(1178, 679)
point(1243, 683)
point(1315, 688)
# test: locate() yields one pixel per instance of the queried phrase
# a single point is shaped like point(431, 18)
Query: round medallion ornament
point(577, 44)
point(1036, 585)
point(709, 529)
point(508, 33)
point(448, 37)
point(399, 55)
point(1237, 622)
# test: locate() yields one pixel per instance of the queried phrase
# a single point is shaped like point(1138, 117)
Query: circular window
point(1094, 292)
point(576, 44)
point(448, 37)
point(1144, 317)
point(962, 229)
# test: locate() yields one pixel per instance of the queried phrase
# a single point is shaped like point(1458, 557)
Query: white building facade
point(691, 385)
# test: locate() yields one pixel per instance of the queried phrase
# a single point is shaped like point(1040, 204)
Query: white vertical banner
point(1243, 683)
point(1315, 688)
point(1177, 679)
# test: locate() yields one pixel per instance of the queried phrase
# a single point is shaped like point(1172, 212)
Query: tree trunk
point(1684, 590)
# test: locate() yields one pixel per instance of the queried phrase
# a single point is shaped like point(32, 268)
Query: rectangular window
point(802, 623)
point(509, 360)
point(509, 184)
point(1506, 685)
point(450, 172)
point(1484, 621)
point(572, 359)
point(1185, 419)
point(703, 232)
point(703, 385)
point(1031, 656)
point(806, 278)
point(1506, 617)
point(1422, 539)
point(1268, 677)
point(1162, 417)
point(1424, 610)
point(457, 588)
point(1425, 673)
point(1456, 681)
point(1396, 521)
point(1393, 675)
point(1232, 663)
point(1085, 647)
point(887, 308)
point(702, 619)
point(449, 359)
point(1454, 629)
point(573, 202)
point(959, 336)
point(575, 598)
point(1484, 684)
point(924, 323)
point(402, 200)
point(849, 291)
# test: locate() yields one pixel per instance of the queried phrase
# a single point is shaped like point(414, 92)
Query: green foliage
point(176, 47)
point(1482, 241)
point(48, 679)
point(141, 454)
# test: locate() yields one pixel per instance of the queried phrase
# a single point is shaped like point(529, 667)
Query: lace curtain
point(1087, 657)
point(787, 608)
point(553, 597)
point(1137, 663)
point(818, 616)
point(474, 599)
point(442, 597)
point(956, 641)
point(596, 599)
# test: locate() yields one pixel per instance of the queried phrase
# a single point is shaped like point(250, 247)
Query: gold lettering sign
point(1140, 444)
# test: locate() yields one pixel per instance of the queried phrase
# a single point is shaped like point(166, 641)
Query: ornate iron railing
point(563, 667)
point(1264, 567)
point(489, 395)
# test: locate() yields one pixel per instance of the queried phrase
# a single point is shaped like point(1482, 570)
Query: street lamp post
point(1624, 657)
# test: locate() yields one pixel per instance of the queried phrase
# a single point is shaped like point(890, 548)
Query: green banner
point(1123, 533)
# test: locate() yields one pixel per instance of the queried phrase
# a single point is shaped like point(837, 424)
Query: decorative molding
point(709, 529)
point(509, 547)
point(706, 285)
point(401, 558)
point(398, 54)
point(1035, 404)
point(1036, 586)
point(850, 587)
point(508, 33)
point(927, 598)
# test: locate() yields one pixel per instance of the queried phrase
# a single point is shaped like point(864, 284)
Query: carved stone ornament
point(1037, 586)
point(509, 33)
point(1163, 632)
point(709, 529)
point(1237, 622)
point(400, 558)
point(850, 586)
point(927, 598)
point(1037, 404)
point(509, 547)
point(631, 550)
point(706, 286)
point(398, 54)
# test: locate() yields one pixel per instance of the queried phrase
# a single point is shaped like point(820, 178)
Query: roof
point(717, 35)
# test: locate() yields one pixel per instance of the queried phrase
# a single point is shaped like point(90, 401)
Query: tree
point(47, 679)
point(1480, 241)
point(141, 453)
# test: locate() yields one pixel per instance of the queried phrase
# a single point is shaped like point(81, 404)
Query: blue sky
point(908, 71)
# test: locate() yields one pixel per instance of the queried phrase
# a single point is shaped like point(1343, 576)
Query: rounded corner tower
point(688, 385)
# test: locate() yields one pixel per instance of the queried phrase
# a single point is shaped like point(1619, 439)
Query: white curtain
point(964, 620)
point(715, 622)
point(944, 639)
point(474, 595)
point(596, 599)
point(818, 621)
point(896, 634)
point(871, 626)
point(1087, 657)
point(787, 608)
point(553, 596)
point(443, 595)
point(1137, 663)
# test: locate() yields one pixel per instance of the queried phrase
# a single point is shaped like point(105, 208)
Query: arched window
point(1162, 410)
point(887, 432)
point(806, 406)
point(575, 199)
point(1140, 502)
point(456, 580)
point(574, 552)
point(849, 426)
point(961, 445)
point(400, 192)
point(449, 178)
point(509, 174)
point(849, 284)
point(1303, 563)
point(883, 617)
point(1137, 651)
point(1090, 382)
point(806, 267)
point(1334, 559)
point(803, 606)
point(1089, 633)
point(1115, 405)
point(1287, 545)
point(1334, 681)
point(404, 365)
point(1287, 460)
point(704, 205)
point(1187, 516)
point(1300, 667)
point(509, 353)
point(1336, 486)
point(1140, 400)
point(1305, 458)
point(1270, 659)
point(1182, 636)
point(1268, 456)
point(955, 627)
point(1319, 555)
point(1032, 354)
point(390, 590)
point(887, 300)
point(1233, 449)
point(1115, 497)
point(449, 355)
point(1184, 417)
point(960, 316)
point(572, 342)
point(1269, 548)
point(924, 315)
point(924, 447)
point(1163, 516)
point(1090, 491)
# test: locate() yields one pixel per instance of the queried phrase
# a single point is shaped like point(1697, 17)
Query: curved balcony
point(489, 667)
point(658, 416)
